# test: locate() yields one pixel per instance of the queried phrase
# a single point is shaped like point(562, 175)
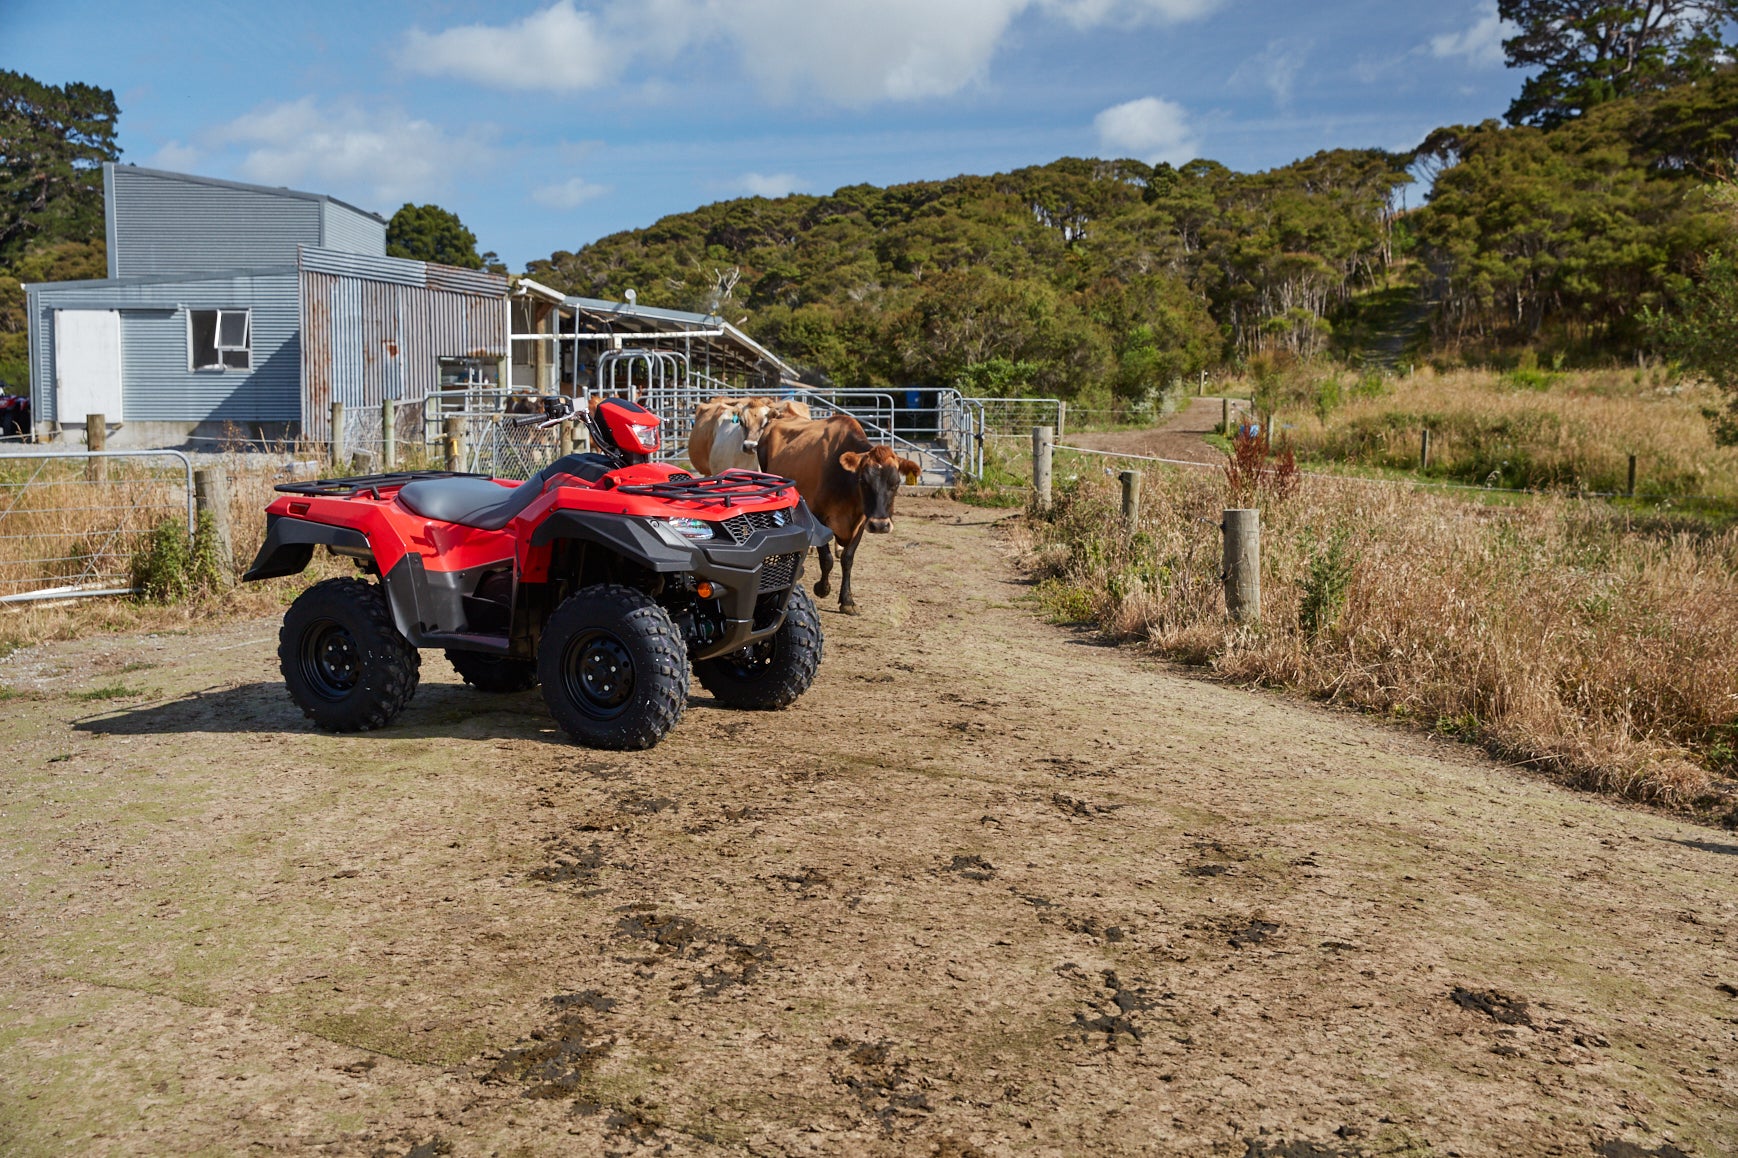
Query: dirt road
point(1178, 438)
point(990, 888)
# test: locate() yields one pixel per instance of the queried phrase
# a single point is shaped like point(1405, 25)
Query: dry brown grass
point(1526, 428)
point(1554, 632)
point(63, 513)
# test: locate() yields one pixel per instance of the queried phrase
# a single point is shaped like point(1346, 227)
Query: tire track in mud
point(989, 888)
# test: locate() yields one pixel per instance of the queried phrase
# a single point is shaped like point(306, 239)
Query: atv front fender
point(290, 544)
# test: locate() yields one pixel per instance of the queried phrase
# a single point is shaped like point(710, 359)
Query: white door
point(87, 365)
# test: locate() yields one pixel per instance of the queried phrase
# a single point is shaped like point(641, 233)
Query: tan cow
point(848, 482)
point(727, 430)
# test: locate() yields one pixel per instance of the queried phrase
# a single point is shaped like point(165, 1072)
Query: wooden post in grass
point(388, 435)
point(337, 443)
point(96, 437)
point(454, 444)
point(1131, 496)
point(211, 497)
point(1243, 564)
point(1424, 451)
point(1043, 451)
point(1225, 417)
point(1630, 490)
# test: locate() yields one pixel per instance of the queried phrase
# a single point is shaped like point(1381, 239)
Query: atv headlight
point(689, 528)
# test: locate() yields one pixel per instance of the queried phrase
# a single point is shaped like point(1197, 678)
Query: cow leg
point(824, 584)
point(848, 605)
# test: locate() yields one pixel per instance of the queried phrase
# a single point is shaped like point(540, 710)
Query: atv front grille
point(780, 571)
point(740, 527)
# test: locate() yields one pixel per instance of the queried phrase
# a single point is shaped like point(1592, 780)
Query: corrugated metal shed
point(156, 381)
point(376, 327)
point(162, 223)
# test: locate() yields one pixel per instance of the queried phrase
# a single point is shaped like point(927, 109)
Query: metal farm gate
point(942, 431)
point(71, 521)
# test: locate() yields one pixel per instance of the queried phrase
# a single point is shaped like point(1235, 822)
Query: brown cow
point(848, 482)
point(727, 429)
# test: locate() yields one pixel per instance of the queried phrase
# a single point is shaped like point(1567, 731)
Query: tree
point(53, 142)
point(1703, 336)
point(1593, 51)
point(430, 233)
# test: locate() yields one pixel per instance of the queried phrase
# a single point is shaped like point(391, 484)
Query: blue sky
point(545, 126)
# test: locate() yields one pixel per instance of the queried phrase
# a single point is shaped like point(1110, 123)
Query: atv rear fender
point(290, 543)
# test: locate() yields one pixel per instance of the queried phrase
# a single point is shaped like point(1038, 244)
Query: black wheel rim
point(331, 661)
point(748, 662)
point(599, 674)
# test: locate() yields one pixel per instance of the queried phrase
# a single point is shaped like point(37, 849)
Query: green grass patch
point(110, 692)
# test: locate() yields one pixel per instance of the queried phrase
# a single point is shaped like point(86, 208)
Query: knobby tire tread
point(661, 687)
point(783, 683)
point(391, 665)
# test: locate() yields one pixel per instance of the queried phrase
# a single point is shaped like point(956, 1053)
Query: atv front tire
point(614, 671)
point(344, 662)
point(494, 673)
point(773, 672)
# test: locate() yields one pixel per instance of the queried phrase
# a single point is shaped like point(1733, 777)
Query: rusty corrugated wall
point(376, 327)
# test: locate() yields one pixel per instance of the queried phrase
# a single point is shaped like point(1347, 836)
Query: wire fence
point(71, 522)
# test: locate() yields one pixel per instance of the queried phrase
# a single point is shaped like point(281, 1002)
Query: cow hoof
point(823, 588)
point(847, 609)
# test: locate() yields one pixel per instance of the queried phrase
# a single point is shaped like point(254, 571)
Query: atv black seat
point(477, 502)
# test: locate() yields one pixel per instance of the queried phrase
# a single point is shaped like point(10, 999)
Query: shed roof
point(274, 190)
point(729, 347)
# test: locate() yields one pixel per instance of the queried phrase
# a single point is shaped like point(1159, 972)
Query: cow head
point(879, 473)
point(754, 414)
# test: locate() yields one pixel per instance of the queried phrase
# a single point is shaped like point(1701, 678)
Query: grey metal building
point(232, 306)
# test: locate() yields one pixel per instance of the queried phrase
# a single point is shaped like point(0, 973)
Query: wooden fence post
point(1424, 450)
point(566, 436)
point(96, 437)
point(1043, 451)
point(1131, 496)
point(454, 444)
point(1225, 417)
point(337, 443)
point(211, 497)
point(1243, 564)
point(1630, 491)
point(388, 435)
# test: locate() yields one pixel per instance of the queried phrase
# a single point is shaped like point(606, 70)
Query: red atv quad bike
point(601, 577)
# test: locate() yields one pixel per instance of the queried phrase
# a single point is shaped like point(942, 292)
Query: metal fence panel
point(70, 522)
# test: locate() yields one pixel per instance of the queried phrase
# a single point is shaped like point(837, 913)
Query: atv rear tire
point(494, 673)
point(345, 663)
point(614, 671)
point(773, 672)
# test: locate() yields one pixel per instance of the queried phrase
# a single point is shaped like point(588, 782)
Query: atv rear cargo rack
point(349, 488)
point(727, 488)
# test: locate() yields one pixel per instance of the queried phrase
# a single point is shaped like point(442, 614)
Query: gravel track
point(989, 888)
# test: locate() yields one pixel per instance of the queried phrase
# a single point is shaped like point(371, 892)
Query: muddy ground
point(990, 888)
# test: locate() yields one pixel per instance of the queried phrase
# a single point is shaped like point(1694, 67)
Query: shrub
point(168, 567)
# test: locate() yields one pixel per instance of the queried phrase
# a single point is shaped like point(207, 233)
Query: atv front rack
point(373, 484)
point(725, 489)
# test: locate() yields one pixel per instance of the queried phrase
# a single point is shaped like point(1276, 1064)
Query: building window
point(220, 339)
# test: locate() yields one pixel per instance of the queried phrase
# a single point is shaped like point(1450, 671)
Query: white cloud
point(1087, 13)
point(383, 157)
point(175, 156)
point(569, 194)
point(558, 49)
point(1482, 44)
point(768, 184)
point(849, 52)
point(1151, 129)
point(1275, 68)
